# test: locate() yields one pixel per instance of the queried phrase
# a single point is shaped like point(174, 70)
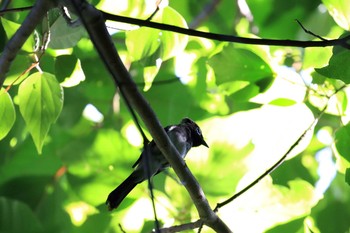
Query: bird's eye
point(198, 131)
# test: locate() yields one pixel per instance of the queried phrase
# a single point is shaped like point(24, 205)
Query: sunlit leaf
point(131, 8)
point(7, 113)
point(11, 28)
point(342, 141)
point(16, 73)
point(315, 57)
point(340, 11)
point(172, 43)
point(149, 43)
point(69, 71)
point(245, 93)
point(293, 226)
point(273, 17)
point(234, 64)
point(97, 222)
point(336, 69)
point(149, 74)
point(223, 154)
point(99, 164)
point(282, 102)
point(146, 41)
point(40, 103)
point(263, 203)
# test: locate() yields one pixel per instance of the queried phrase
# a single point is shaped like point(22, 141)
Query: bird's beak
point(204, 143)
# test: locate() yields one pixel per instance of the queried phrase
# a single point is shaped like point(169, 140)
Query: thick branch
point(95, 25)
point(26, 29)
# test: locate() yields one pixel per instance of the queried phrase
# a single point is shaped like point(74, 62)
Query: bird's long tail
point(118, 194)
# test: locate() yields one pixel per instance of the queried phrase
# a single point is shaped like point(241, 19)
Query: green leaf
point(342, 141)
point(7, 113)
point(172, 102)
point(63, 35)
point(290, 227)
point(40, 103)
point(245, 93)
point(172, 43)
point(17, 217)
point(68, 70)
point(96, 223)
point(34, 185)
point(336, 68)
point(144, 42)
point(40, 166)
point(52, 212)
point(229, 177)
point(347, 176)
point(18, 66)
point(11, 28)
point(139, 49)
point(233, 64)
point(282, 102)
point(340, 11)
point(149, 73)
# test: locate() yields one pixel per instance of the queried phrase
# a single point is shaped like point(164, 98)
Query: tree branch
point(282, 159)
point(26, 29)
point(230, 38)
point(268, 171)
point(182, 227)
point(310, 32)
point(95, 25)
point(4, 11)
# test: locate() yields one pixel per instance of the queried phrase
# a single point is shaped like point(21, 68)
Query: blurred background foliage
point(67, 138)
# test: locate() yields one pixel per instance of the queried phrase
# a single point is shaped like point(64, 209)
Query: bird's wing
point(179, 137)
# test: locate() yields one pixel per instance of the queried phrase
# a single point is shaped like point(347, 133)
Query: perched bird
point(184, 136)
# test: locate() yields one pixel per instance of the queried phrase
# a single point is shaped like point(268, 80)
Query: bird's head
point(196, 133)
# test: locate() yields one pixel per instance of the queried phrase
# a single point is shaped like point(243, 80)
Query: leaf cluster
point(253, 102)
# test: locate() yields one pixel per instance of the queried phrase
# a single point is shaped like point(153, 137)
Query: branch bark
point(95, 25)
point(26, 29)
point(183, 227)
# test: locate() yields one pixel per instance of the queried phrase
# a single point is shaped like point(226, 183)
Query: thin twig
point(155, 11)
point(4, 11)
point(12, 47)
point(281, 160)
point(34, 64)
point(121, 228)
point(268, 171)
point(310, 32)
point(146, 160)
point(229, 38)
